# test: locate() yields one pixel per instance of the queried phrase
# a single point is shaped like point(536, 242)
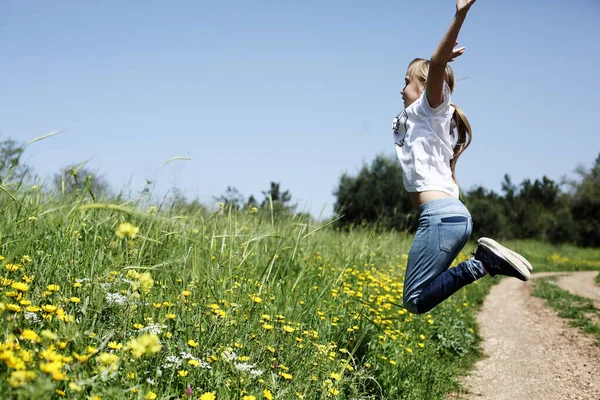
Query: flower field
point(105, 301)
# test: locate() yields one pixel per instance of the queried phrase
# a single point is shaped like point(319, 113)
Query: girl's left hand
point(462, 6)
point(456, 52)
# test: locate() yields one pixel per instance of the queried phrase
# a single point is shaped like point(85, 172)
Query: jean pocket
point(452, 231)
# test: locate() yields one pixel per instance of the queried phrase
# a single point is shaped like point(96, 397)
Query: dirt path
point(530, 352)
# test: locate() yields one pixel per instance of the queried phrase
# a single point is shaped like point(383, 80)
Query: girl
point(424, 135)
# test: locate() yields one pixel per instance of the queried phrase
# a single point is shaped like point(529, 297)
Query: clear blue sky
point(296, 92)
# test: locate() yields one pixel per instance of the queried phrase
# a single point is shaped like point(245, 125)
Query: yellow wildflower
point(208, 396)
point(75, 300)
point(192, 343)
point(51, 367)
point(13, 267)
point(183, 373)
point(59, 376)
point(268, 395)
point(49, 308)
point(108, 361)
point(53, 288)
point(20, 378)
point(115, 346)
point(81, 358)
point(13, 308)
point(145, 344)
point(334, 376)
point(126, 229)
point(26, 355)
point(28, 334)
point(150, 396)
point(141, 282)
point(20, 286)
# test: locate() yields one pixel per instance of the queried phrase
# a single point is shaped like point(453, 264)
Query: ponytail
point(463, 128)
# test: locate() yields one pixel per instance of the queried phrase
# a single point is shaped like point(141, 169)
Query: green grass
point(578, 310)
point(547, 257)
point(598, 279)
point(257, 302)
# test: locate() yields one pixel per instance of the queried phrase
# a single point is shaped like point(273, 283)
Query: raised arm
point(445, 53)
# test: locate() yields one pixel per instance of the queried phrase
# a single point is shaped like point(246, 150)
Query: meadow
point(109, 301)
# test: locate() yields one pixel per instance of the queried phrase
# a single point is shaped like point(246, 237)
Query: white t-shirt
point(423, 137)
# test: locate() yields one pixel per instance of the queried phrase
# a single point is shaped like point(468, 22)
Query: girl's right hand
point(462, 6)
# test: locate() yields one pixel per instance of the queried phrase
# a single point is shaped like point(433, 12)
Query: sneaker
point(490, 243)
point(498, 262)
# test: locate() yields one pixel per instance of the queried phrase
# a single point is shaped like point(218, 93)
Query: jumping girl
point(430, 134)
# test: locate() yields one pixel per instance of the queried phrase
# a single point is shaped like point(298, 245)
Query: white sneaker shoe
point(491, 243)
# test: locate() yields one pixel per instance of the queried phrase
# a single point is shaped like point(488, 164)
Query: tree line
point(559, 212)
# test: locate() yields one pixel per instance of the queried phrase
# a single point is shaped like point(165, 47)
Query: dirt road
point(531, 353)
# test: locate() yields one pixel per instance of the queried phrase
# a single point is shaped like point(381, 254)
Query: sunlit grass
point(135, 301)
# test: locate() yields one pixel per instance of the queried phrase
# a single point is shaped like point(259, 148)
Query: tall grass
point(229, 303)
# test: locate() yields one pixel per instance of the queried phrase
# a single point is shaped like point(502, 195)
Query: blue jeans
point(445, 226)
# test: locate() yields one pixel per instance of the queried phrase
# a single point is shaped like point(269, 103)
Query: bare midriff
point(418, 198)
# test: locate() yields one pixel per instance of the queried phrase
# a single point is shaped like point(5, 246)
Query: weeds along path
point(529, 352)
point(582, 284)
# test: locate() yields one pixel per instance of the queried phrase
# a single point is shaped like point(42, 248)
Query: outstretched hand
point(462, 6)
point(456, 52)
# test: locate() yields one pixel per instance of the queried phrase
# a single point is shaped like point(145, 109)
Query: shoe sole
point(492, 243)
point(502, 252)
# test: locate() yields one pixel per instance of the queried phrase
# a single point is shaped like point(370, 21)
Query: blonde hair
point(418, 69)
